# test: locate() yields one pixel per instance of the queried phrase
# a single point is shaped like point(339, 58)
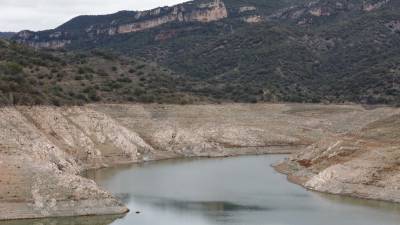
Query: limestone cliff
point(206, 13)
point(203, 11)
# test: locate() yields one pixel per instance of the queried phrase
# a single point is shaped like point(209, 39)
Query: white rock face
point(362, 162)
point(374, 6)
point(394, 25)
point(53, 44)
point(253, 19)
point(213, 11)
point(18, 134)
point(247, 9)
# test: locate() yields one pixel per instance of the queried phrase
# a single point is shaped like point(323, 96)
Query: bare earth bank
point(341, 149)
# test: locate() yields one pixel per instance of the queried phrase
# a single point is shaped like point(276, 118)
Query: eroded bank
point(43, 149)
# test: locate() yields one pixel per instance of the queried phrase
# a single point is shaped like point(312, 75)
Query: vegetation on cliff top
point(349, 56)
point(300, 51)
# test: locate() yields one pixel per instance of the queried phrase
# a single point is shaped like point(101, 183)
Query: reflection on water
point(234, 191)
point(216, 206)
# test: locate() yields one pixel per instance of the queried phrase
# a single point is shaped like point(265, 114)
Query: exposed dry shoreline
point(363, 163)
point(44, 149)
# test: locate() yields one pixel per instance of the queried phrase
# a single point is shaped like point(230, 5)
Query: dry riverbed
point(341, 149)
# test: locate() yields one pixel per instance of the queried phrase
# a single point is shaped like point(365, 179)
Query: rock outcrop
point(253, 19)
point(363, 162)
point(206, 13)
point(43, 149)
point(370, 6)
point(123, 22)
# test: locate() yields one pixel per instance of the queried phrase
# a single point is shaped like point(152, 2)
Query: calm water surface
point(235, 191)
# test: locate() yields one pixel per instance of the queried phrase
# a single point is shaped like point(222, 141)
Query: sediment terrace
point(43, 149)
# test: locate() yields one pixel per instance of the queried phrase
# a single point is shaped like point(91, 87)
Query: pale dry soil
point(341, 149)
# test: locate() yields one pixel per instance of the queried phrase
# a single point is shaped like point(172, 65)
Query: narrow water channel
point(242, 191)
point(234, 191)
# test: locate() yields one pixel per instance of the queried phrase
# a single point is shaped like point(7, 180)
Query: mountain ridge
point(265, 51)
point(7, 35)
point(300, 12)
point(123, 22)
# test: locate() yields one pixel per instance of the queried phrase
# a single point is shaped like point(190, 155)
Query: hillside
point(253, 51)
point(32, 77)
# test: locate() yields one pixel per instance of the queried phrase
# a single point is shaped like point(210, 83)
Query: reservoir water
point(235, 191)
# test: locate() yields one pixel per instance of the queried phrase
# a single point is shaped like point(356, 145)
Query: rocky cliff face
point(361, 163)
point(39, 176)
point(44, 149)
point(203, 11)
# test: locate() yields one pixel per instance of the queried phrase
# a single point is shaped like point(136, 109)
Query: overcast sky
point(16, 15)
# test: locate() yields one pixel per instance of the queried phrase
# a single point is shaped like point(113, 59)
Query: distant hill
point(7, 35)
point(255, 50)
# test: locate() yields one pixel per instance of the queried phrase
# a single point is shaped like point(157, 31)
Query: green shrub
point(93, 96)
point(124, 80)
point(102, 73)
point(81, 70)
point(141, 66)
point(139, 91)
point(12, 68)
point(89, 77)
point(78, 77)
